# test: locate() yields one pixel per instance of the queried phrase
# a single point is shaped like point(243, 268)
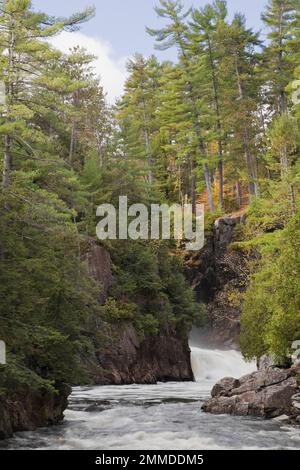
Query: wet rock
point(30, 409)
point(296, 402)
point(260, 380)
point(282, 419)
point(267, 393)
point(127, 358)
point(223, 387)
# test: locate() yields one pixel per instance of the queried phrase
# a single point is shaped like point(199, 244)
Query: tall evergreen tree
point(240, 92)
point(24, 68)
point(279, 62)
point(279, 18)
point(204, 48)
point(175, 34)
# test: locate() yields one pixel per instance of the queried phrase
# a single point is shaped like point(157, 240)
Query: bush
point(271, 311)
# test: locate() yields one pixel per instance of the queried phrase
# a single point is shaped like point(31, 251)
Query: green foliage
point(222, 117)
point(271, 312)
point(150, 289)
point(17, 379)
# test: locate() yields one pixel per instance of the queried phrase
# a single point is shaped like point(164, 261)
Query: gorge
point(143, 394)
point(112, 332)
point(163, 416)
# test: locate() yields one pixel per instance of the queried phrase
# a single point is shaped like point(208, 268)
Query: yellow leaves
point(235, 298)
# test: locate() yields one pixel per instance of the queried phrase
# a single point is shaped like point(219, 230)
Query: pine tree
point(177, 134)
point(204, 48)
point(279, 18)
point(175, 34)
point(23, 69)
point(240, 91)
point(140, 103)
point(279, 62)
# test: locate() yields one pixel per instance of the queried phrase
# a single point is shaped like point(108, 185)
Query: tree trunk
point(7, 164)
point(282, 109)
point(147, 144)
point(72, 143)
point(148, 153)
point(221, 183)
point(208, 186)
point(9, 91)
point(219, 124)
point(284, 174)
point(193, 184)
point(250, 159)
point(238, 194)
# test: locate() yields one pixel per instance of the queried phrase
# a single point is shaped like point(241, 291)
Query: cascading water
point(213, 365)
point(160, 417)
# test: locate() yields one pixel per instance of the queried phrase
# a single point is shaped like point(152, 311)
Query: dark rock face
point(127, 358)
point(32, 409)
point(267, 393)
point(219, 274)
point(162, 357)
point(99, 267)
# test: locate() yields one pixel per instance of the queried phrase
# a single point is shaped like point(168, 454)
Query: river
point(160, 417)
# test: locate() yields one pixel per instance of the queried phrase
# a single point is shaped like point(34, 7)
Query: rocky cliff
point(129, 359)
point(125, 357)
point(99, 267)
point(219, 274)
point(267, 393)
point(30, 409)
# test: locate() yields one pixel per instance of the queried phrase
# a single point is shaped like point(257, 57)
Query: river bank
point(267, 393)
point(159, 417)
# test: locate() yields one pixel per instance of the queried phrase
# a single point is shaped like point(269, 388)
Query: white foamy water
point(160, 417)
point(214, 365)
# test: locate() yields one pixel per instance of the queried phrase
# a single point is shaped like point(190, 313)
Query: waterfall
point(209, 364)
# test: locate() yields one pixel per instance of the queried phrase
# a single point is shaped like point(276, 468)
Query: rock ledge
point(29, 410)
point(267, 393)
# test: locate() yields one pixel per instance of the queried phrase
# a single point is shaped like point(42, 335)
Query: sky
point(118, 31)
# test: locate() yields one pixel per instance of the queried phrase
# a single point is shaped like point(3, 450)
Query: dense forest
point(219, 126)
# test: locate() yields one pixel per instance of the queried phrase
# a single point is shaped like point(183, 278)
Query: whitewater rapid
point(160, 417)
point(213, 365)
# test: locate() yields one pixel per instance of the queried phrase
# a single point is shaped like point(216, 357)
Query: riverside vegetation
point(220, 125)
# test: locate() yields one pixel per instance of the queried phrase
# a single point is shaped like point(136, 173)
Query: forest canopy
point(219, 126)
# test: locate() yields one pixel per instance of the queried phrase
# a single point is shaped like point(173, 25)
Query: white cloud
point(112, 71)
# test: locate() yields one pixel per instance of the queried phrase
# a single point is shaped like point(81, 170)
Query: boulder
point(266, 361)
point(29, 409)
point(223, 387)
point(267, 393)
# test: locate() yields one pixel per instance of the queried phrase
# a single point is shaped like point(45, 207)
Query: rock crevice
point(218, 275)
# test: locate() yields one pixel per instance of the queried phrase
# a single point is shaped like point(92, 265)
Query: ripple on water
point(173, 421)
point(160, 417)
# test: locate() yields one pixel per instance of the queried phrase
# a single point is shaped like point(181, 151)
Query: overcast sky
point(118, 31)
